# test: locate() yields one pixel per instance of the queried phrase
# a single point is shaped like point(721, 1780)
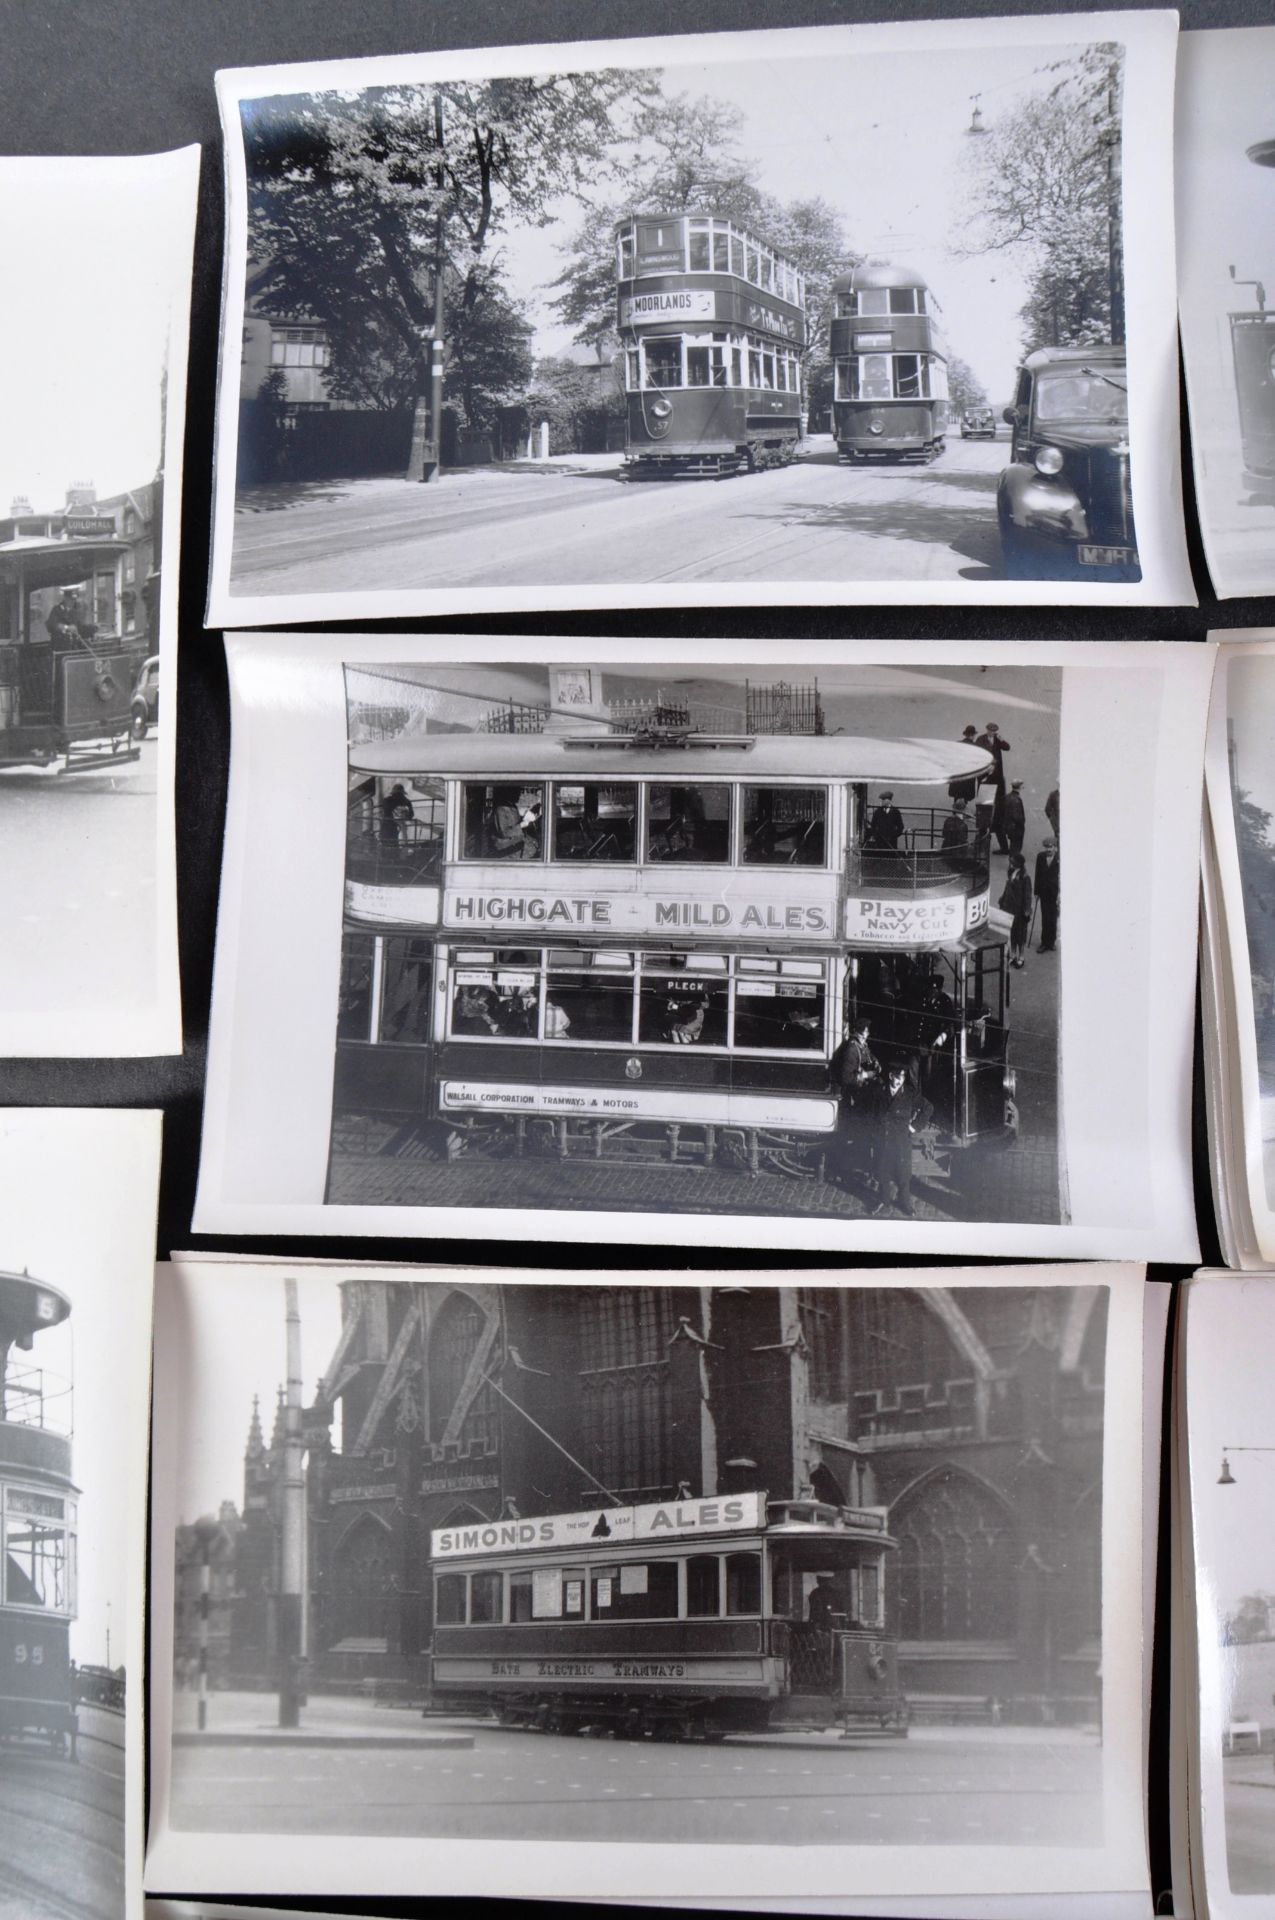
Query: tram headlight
point(661, 409)
point(1048, 460)
point(876, 426)
point(1010, 1083)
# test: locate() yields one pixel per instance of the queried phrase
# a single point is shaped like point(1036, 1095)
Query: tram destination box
point(723, 949)
point(526, 387)
point(654, 1591)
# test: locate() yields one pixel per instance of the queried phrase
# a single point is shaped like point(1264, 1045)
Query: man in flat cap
point(885, 829)
point(1015, 817)
point(1048, 891)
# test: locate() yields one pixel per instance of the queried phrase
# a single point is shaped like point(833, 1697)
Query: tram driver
point(67, 623)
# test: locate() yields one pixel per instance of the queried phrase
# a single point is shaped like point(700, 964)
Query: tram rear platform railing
point(921, 863)
point(415, 859)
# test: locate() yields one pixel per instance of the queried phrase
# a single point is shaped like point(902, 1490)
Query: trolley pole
point(292, 1556)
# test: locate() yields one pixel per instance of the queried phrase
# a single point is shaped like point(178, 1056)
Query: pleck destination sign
point(600, 1526)
point(735, 909)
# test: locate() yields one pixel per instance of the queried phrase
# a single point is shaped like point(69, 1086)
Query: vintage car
point(1064, 502)
point(145, 708)
point(978, 423)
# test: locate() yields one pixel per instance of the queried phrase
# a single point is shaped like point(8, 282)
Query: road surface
point(940, 1786)
point(583, 524)
point(1250, 1836)
point(62, 1827)
point(77, 852)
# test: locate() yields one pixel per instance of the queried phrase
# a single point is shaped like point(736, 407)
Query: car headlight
point(1009, 1082)
point(1048, 460)
point(875, 426)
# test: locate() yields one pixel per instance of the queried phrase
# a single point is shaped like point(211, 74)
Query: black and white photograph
point(662, 322)
point(1229, 1335)
point(1239, 961)
point(665, 1570)
point(90, 493)
point(75, 1321)
point(1224, 157)
point(725, 950)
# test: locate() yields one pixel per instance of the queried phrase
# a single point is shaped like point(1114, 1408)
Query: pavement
point(326, 1720)
point(62, 1828)
point(1020, 1786)
point(576, 520)
point(77, 852)
point(1247, 1768)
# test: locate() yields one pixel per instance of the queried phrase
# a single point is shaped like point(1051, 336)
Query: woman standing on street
point(1016, 899)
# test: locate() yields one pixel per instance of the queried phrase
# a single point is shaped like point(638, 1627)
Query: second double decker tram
point(712, 324)
point(613, 946)
point(890, 366)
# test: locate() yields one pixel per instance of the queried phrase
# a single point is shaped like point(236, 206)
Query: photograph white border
point(118, 1156)
point(1128, 939)
point(1208, 1377)
point(162, 189)
point(328, 1866)
point(1239, 1090)
point(1150, 42)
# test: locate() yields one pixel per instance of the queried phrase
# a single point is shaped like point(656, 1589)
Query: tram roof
point(908, 762)
point(28, 1305)
point(879, 273)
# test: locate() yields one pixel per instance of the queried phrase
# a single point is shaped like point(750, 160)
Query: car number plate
point(1106, 556)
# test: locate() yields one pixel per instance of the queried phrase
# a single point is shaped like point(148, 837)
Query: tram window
point(354, 1004)
point(870, 1593)
point(36, 1566)
point(664, 362)
point(902, 300)
point(737, 366)
point(786, 1599)
point(907, 376)
point(486, 1597)
point(721, 251)
point(520, 1597)
point(768, 370)
point(737, 256)
point(626, 248)
point(785, 1016)
point(502, 822)
point(703, 1586)
point(689, 823)
point(633, 362)
point(754, 366)
point(700, 247)
point(874, 300)
point(406, 991)
point(681, 1008)
point(592, 996)
point(874, 377)
point(784, 826)
point(646, 1591)
point(594, 822)
point(743, 1583)
point(699, 371)
point(449, 1600)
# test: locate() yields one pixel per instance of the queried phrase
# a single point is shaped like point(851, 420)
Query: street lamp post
point(292, 1554)
point(206, 1531)
point(1226, 1478)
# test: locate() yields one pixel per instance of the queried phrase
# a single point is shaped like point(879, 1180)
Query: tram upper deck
point(37, 1520)
point(605, 836)
point(890, 364)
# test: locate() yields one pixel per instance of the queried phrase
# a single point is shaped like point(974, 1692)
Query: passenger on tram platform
point(824, 1604)
point(513, 831)
point(956, 828)
point(685, 1021)
point(396, 811)
point(473, 1011)
point(885, 829)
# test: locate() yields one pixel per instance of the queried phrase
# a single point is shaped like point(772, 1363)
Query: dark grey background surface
point(110, 76)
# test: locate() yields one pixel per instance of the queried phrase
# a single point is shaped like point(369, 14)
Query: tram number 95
point(24, 1655)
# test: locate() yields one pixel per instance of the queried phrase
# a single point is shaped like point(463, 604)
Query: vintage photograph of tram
point(702, 944)
point(75, 1279)
point(1226, 198)
point(754, 1564)
point(89, 484)
point(496, 329)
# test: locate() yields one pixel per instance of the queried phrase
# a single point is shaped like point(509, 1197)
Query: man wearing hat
point(965, 789)
point(66, 621)
point(1014, 818)
point(1047, 893)
point(885, 829)
point(991, 797)
point(956, 828)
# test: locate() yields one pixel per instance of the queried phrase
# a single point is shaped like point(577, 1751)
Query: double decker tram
point(712, 323)
point(623, 946)
point(890, 366)
point(37, 1524)
point(68, 662)
point(686, 1619)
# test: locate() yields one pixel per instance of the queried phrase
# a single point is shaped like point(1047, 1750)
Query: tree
point(561, 392)
point(1257, 874)
point(348, 194)
point(1249, 1620)
point(1046, 184)
point(964, 388)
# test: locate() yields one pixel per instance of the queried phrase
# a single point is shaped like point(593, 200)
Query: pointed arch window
point(453, 1342)
point(627, 1397)
point(957, 1555)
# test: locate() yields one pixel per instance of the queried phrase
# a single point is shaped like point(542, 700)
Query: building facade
point(975, 1417)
